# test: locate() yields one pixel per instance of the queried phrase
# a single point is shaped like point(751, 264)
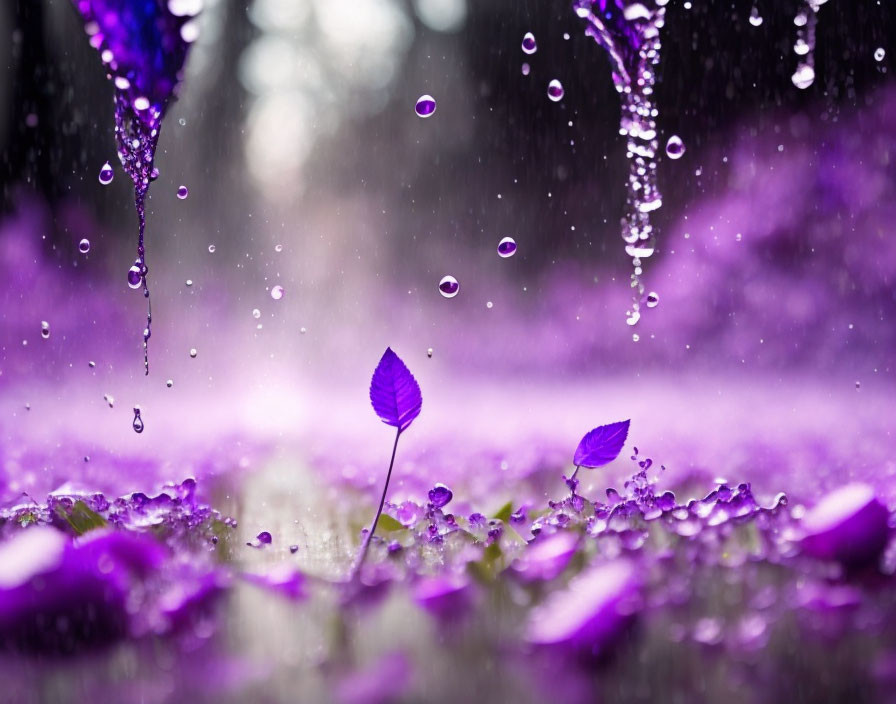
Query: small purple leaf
point(394, 392)
point(602, 445)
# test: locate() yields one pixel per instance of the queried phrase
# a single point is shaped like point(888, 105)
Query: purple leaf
point(394, 392)
point(602, 445)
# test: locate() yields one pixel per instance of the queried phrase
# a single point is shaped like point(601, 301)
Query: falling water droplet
point(182, 192)
point(858, 385)
point(256, 313)
point(134, 277)
point(109, 400)
point(278, 248)
point(506, 247)
point(804, 76)
point(448, 286)
point(44, 329)
point(277, 292)
point(529, 44)
point(879, 54)
point(633, 317)
point(755, 17)
point(635, 337)
point(193, 353)
point(189, 282)
point(525, 69)
point(106, 174)
point(489, 305)
point(138, 421)
point(169, 383)
point(675, 148)
point(653, 300)
point(84, 246)
point(211, 249)
point(555, 90)
point(91, 364)
point(426, 106)
point(429, 352)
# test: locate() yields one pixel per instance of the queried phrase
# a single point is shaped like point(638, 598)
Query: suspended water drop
point(449, 286)
point(801, 47)
point(84, 246)
point(755, 18)
point(154, 174)
point(169, 383)
point(804, 76)
point(632, 317)
point(529, 45)
point(182, 192)
point(44, 329)
point(525, 69)
point(555, 90)
point(193, 353)
point(108, 399)
point(489, 305)
point(256, 313)
point(635, 337)
point(277, 292)
point(278, 248)
point(879, 54)
point(138, 421)
point(675, 148)
point(426, 106)
point(106, 174)
point(506, 247)
point(91, 364)
point(134, 276)
point(303, 330)
point(189, 282)
point(429, 352)
point(653, 300)
point(211, 249)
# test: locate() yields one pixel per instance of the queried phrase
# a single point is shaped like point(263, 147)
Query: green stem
point(366, 545)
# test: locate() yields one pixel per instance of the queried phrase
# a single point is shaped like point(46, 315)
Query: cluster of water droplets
point(804, 46)
point(634, 77)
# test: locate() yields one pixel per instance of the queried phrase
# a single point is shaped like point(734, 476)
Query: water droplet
point(182, 122)
point(506, 247)
point(429, 352)
point(303, 330)
point(555, 90)
point(211, 249)
point(134, 277)
point(635, 337)
point(804, 76)
point(675, 148)
point(182, 192)
point(293, 549)
point(154, 174)
point(193, 353)
point(138, 421)
point(91, 364)
point(525, 69)
point(277, 292)
point(106, 174)
point(755, 17)
point(189, 282)
point(84, 246)
point(653, 300)
point(169, 383)
point(426, 106)
point(448, 286)
point(440, 495)
point(141, 103)
point(109, 400)
point(529, 44)
point(489, 305)
point(879, 54)
point(858, 385)
point(278, 248)
point(44, 329)
point(632, 318)
point(256, 313)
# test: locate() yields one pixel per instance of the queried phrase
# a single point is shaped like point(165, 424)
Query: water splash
point(804, 47)
point(143, 47)
point(629, 32)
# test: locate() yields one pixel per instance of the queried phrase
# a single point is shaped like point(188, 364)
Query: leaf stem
point(575, 472)
point(366, 545)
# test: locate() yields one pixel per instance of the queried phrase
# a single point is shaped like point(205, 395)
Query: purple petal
point(394, 392)
point(848, 525)
point(283, 580)
point(590, 612)
point(602, 445)
point(546, 557)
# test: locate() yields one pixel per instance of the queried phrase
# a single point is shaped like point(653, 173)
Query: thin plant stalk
point(366, 545)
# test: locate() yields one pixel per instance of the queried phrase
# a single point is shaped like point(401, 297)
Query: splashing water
point(143, 47)
point(804, 47)
point(629, 33)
